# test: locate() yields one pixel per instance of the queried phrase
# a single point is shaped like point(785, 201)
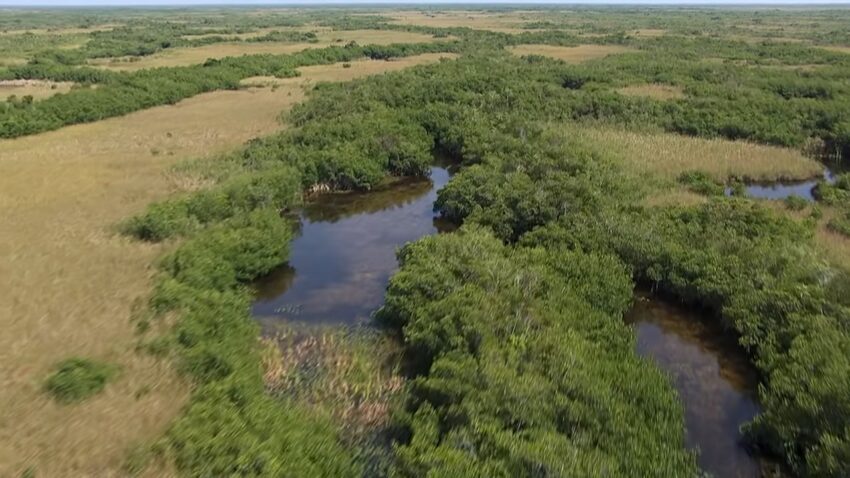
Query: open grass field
point(340, 72)
point(190, 56)
point(36, 88)
point(570, 54)
point(666, 156)
point(835, 247)
point(838, 49)
point(653, 90)
point(70, 282)
point(505, 22)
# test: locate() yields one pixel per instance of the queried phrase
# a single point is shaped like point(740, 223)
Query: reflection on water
point(784, 189)
point(344, 255)
point(715, 381)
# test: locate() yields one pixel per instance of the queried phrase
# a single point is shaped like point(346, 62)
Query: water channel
point(344, 256)
point(715, 381)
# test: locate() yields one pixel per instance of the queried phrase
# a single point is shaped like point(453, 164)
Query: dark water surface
point(344, 255)
point(784, 189)
point(715, 381)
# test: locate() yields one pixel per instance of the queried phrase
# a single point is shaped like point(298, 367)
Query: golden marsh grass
point(653, 90)
point(570, 54)
point(196, 55)
point(70, 283)
point(667, 155)
point(339, 72)
point(38, 89)
point(509, 22)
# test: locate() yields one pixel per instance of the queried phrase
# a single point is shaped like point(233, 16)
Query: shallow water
point(715, 381)
point(344, 255)
point(783, 189)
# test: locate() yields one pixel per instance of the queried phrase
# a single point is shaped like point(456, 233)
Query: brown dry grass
point(357, 69)
point(571, 54)
point(653, 90)
point(649, 33)
point(666, 155)
point(11, 61)
point(674, 197)
point(837, 49)
point(509, 22)
point(38, 89)
point(352, 378)
point(834, 246)
point(70, 282)
point(61, 31)
point(191, 56)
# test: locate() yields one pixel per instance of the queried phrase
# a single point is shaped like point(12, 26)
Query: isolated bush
point(75, 379)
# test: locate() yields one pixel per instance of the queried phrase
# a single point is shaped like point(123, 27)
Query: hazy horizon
point(166, 3)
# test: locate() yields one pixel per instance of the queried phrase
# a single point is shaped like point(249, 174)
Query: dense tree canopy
point(522, 364)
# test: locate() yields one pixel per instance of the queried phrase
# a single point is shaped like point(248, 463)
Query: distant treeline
point(778, 93)
point(121, 93)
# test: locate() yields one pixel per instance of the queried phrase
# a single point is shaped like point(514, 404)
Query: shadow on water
point(344, 254)
point(834, 165)
point(715, 381)
point(784, 189)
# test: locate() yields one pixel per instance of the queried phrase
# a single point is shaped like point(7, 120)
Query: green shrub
point(76, 379)
point(840, 225)
point(525, 382)
point(796, 203)
point(701, 183)
point(161, 221)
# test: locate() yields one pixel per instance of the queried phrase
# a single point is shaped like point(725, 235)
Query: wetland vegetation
point(323, 325)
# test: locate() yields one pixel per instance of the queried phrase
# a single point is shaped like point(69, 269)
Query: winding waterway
point(345, 253)
point(715, 381)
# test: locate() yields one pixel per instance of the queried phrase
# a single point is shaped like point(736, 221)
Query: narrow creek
point(715, 381)
point(344, 255)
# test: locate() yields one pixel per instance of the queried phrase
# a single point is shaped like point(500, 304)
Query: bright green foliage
point(357, 151)
point(231, 427)
point(539, 379)
point(796, 203)
point(701, 183)
point(76, 379)
point(838, 196)
point(751, 269)
point(522, 364)
point(278, 188)
point(840, 224)
point(123, 93)
point(758, 272)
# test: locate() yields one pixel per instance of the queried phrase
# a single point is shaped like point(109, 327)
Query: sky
point(34, 3)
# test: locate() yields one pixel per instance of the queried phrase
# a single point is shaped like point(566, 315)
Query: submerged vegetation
point(513, 358)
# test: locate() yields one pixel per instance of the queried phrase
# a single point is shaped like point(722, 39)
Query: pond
point(783, 189)
point(344, 254)
point(715, 381)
